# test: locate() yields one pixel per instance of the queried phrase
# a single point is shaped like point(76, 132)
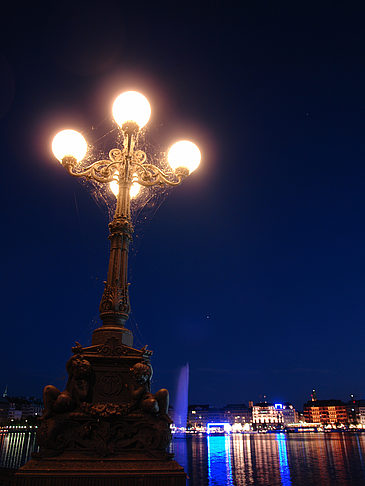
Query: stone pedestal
point(106, 427)
point(78, 470)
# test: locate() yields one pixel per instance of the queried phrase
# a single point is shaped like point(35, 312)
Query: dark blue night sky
point(253, 270)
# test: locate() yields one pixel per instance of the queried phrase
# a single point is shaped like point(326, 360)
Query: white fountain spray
point(181, 400)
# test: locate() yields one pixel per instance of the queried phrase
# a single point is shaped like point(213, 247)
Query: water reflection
point(16, 449)
point(180, 450)
point(219, 460)
point(317, 459)
point(283, 460)
point(360, 453)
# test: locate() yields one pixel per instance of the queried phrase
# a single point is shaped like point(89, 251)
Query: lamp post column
point(115, 305)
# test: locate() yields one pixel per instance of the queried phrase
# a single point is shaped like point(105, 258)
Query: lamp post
point(126, 169)
point(107, 421)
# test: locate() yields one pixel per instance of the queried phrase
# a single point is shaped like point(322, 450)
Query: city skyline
point(252, 271)
point(214, 404)
point(315, 415)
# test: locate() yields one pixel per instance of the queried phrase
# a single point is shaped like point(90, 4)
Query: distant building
point(14, 413)
point(362, 415)
point(24, 408)
point(237, 413)
point(353, 410)
point(290, 415)
point(33, 408)
point(4, 409)
point(267, 415)
point(326, 412)
point(201, 415)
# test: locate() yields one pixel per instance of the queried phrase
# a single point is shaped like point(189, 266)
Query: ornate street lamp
point(107, 408)
point(126, 169)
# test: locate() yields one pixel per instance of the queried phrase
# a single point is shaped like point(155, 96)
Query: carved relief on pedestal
point(107, 406)
point(112, 347)
point(77, 391)
point(144, 400)
point(111, 385)
point(103, 435)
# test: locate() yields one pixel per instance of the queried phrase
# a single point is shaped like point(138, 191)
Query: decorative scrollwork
point(116, 155)
point(112, 347)
point(122, 165)
point(101, 171)
point(140, 156)
point(115, 299)
point(150, 175)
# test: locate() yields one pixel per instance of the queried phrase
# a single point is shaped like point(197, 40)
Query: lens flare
point(184, 154)
point(131, 106)
point(69, 142)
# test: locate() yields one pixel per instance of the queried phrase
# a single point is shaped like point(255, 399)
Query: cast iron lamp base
point(106, 427)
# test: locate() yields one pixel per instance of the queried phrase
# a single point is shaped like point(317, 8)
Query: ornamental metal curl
point(116, 155)
point(140, 156)
point(125, 165)
point(101, 171)
point(149, 175)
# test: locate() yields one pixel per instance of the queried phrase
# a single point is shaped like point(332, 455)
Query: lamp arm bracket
point(150, 175)
point(101, 171)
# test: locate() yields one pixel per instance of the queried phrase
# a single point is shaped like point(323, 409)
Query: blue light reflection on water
point(283, 459)
point(360, 453)
point(219, 461)
point(327, 459)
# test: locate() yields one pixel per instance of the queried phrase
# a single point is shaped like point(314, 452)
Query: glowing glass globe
point(131, 106)
point(69, 143)
point(184, 154)
point(134, 190)
point(114, 187)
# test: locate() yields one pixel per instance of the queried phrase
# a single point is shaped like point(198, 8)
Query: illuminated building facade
point(353, 410)
point(290, 415)
point(326, 412)
point(233, 413)
point(14, 413)
point(267, 415)
point(18, 408)
point(362, 415)
point(33, 408)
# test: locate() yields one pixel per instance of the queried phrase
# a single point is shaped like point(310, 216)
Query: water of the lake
point(306, 459)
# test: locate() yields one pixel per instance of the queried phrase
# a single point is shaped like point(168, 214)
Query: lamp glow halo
point(131, 106)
